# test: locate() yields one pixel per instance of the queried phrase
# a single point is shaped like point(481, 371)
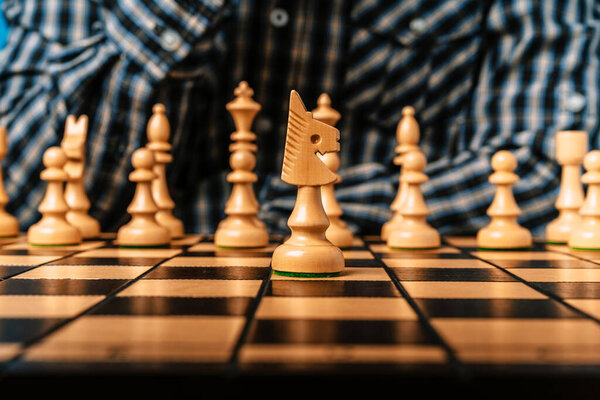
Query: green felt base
point(504, 249)
point(53, 245)
point(414, 248)
point(555, 243)
point(162, 246)
point(307, 274)
point(584, 248)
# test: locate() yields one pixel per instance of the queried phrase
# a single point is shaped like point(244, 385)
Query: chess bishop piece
point(571, 147)
point(587, 234)
point(412, 231)
point(503, 232)
point(338, 232)
point(158, 132)
point(73, 144)
point(241, 228)
point(53, 229)
point(143, 230)
point(307, 252)
point(9, 225)
point(407, 136)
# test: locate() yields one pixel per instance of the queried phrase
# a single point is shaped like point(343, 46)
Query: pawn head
point(591, 161)
point(504, 161)
point(142, 159)
point(414, 161)
point(54, 157)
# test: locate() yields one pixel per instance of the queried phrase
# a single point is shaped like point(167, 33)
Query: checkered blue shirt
point(482, 76)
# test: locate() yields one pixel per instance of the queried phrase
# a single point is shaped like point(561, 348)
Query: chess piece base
point(306, 260)
point(52, 231)
point(338, 233)
point(413, 235)
point(88, 227)
point(9, 225)
point(391, 225)
point(586, 236)
point(559, 230)
point(167, 220)
point(503, 234)
point(241, 232)
point(141, 232)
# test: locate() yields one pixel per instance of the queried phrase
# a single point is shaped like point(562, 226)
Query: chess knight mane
point(305, 137)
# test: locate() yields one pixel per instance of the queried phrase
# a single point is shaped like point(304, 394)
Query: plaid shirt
point(482, 76)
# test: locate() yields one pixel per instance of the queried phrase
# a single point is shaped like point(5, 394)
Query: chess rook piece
point(9, 225)
point(143, 230)
point(53, 229)
point(412, 231)
point(73, 144)
point(503, 231)
point(338, 232)
point(307, 252)
point(587, 234)
point(241, 228)
point(407, 136)
point(158, 131)
point(571, 147)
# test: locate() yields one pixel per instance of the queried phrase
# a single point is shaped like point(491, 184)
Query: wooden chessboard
point(97, 309)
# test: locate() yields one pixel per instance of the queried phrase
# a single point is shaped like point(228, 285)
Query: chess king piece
point(503, 231)
point(241, 228)
point(407, 136)
point(307, 252)
point(338, 232)
point(587, 234)
point(143, 230)
point(9, 225)
point(73, 144)
point(158, 131)
point(53, 229)
point(571, 147)
point(412, 231)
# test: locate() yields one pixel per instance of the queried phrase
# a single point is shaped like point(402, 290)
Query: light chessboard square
point(26, 260)
point(116, 252)
point(435, 263)
point(183, 261)
point(17, 306)
point(193, 288)
point(557, 274)
point(84, 272)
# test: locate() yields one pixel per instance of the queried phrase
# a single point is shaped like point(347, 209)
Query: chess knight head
point(305, 138)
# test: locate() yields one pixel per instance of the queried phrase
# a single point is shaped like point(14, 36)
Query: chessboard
point(193, 309)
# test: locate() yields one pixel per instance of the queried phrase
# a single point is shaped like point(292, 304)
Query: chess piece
point(158, 131)
point(503, 231)
point(9, 225)
point(338, 232)
point(143, 230)
point(571, 147)
point(407, 136)
point(307, 252)
point(412, 231)
point(587, 234)
point(53, 229)
point(241, 228)
point(73, 144)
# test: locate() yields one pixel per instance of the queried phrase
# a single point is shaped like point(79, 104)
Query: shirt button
point(169, 40)
point(418, 25)
point(575, 102)
point(279, 17)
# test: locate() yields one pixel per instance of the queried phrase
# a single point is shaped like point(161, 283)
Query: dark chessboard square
point(127, 261)
point(494, 308)
point(571, 290)
point(37, 251)
point(574, 263)
point(175, 306)
point(249, 273)
point(229, 253)
point(332, 288)
point(60, 287)
point(453, 274)
point(19, 330)
point(340, 332)
point(366, 263)
point(10, 270)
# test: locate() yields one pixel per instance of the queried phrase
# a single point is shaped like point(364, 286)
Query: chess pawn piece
point(158, 132)
point(407, 136)
point(338, 232)
point(73, 144)
point(503, 231)
point(587, 234)
point(412, 231)
point(571, 147)
point(241, 228)
point(9, 225)
point(143, 230)
point(307, 252)
point(53, 229)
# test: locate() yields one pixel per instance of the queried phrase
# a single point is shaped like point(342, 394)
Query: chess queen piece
point(587, 234)
point(307, 252)
point(412, 231)
point(143, 230)
point(158, 131)
point(338, 232)
point(571, 147)
point(73, 144)
point(9, 225)
point(53, 229)
point(241, 228)
point(503, 232)
point(407, 136)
